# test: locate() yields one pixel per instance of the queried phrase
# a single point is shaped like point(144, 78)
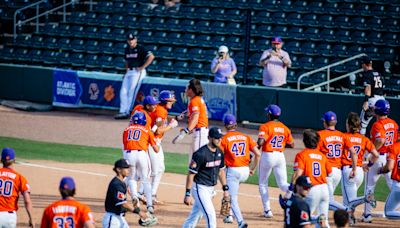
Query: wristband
point(366, 97)
point(154, 128)
point(370, 164)
point(291, 187)
point(225, 188)
point(187, 193)
point(186, 130)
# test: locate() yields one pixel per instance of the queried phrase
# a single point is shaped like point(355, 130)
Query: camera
point(274, 48)
point(221, 55)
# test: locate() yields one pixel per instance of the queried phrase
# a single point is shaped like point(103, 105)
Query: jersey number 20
point(6, 187)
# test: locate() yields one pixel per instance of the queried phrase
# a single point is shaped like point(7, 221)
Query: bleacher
point(185, 40)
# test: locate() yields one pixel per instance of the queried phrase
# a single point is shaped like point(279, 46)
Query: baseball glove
point(225, 206)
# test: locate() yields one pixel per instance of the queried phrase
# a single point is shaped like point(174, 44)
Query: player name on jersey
point(316, 156)
point(355, 139)
point(279, 129)
point(334, 138)
point(64, 209)
point(8, 174)
point(388, 126)
point(236, 137)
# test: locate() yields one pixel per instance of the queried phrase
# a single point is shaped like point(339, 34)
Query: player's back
point(66, 213)
point(314, 165)
point(276, 135)
point(332, 144)
point(236, 147)
point(387, 129)
point(159, 114)
point(140, 108)
point(394, 154)
point(360, 144)
point(198, 105)
point(137, 137)
point(12, 184)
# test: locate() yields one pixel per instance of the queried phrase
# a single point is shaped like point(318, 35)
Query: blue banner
point(67, 89)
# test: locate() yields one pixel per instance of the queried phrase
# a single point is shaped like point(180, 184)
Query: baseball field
point(50, 145)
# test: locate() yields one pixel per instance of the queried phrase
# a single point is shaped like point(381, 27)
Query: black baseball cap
point(304, 181)
point(215, 133)
point(131, 36)
point(122, 163)
point(366, 60)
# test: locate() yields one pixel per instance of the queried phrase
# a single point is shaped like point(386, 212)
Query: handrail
point(64, 5)
point(328, 70)
point(333, 80)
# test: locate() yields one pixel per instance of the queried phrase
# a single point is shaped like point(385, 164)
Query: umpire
point(206, 166)
point(297, 211)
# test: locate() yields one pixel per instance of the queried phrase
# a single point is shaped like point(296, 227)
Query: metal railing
point(328, 68)
point(36, 4)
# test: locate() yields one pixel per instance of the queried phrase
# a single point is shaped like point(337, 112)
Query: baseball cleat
point(352, 219)
point(150, 209)
point(149, 221)
point(268, 214)
point(228, 219)
point(242, 224)
point(366, 218)
point(322, 221)
point(370, 198)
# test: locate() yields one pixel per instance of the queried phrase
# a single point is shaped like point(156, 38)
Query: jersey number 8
point(316, 169)
point(6, 187)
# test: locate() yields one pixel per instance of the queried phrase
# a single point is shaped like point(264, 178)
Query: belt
point(349, 166)
point(382, 153)
point(132, 68)
point(199, 128)
point(128, 151)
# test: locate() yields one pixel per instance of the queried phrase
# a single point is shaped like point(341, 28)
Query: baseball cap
point(229, 119)
point(215, 133)
point(7, 154)
point(366, 60)
point(276, 40)
point(130, 36)
point(122, 163)
point(273, 110)
point(329, 116)
point(67, 183)
point(150, 100)
point(304, 181)
point(223, 49)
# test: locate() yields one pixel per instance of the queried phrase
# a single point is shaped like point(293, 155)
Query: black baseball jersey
point(116, 195)
point(206, 164)
point(297, 212)
point(375, 80)
point(136, 57)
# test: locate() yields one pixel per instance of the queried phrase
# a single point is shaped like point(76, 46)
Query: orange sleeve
point(289, 137)
point(377, 132)
point(86, 214)
point(45, 219)
point(299, 163)
point(252, 143)
point(194, 105)
point(391, 154)
point(24, 184)
point(151, 138)
point(263, 132)
point(369, 146)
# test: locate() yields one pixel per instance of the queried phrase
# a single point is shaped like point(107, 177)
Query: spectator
point(275, 62)
point(223, 66)
point(341, 218)
point(172, 3)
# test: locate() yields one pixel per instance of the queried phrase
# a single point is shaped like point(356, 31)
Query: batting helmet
point(166, 96)
point(138, 118)
point(273, 110)
point(382, 107)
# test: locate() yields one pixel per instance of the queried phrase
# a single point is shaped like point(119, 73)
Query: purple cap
point(273, 110)
point(276, 40)
point(230, 119)
point(7, 154)
point(150, 100)
point(67, 183)
point(329, 116)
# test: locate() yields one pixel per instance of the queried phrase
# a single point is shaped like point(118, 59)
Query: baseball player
point(273, 138)
point(296, 210)
point(332, 144)
point(67, 212)
point(136, 140)
point(206, 167)
point(198, 117)
point(393, 165)
point(160, 118)
point(137, 58)
point(236, 147)
point(149, 106)
point(314, 164)
point(12, 184)
point(116, 204)
point(384, 132)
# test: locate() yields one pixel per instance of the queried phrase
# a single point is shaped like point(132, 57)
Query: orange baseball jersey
point(66, 213)
point(314, 164)
point(140, 108)
point(385, 129)
point(160, 114)
point(276, 136)
point(198, 105)
point(138, 137)
point(11, 185)
point(394, 154)
point(332, 144)
point(236, 147)
point(360, 144)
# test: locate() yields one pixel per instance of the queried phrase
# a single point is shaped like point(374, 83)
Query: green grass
point(175, 163)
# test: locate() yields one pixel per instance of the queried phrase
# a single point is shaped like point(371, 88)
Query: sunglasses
point(306, 187)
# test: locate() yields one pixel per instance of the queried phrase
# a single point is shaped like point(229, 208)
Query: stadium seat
point(181, 67)
point(104, 6)
point(387, 53)
point(300, 7)
point(91, 62)
point(378, 9)
point(375, 38)
point(326, 21)
point(331, 8)
point(294, 18)
point(278, 18)
point(262, 30)
point(173, 24)
point(78, 45)
point(321, 62)
point(217, 13)
point(103, 19)
point(188, 25)
point(263, 44)
point(218, 40)
point(312, 34)
point(203, 13)
point(327, 35)
point(166, 52)
point(50, 42)
point(158, 37)
point(37, 42)
point(106, 62)
point(188, 39)
point(306, 63)
point(64, 58)
point(209, 54)
point(340, 50)
point(293, 47)
point(342, 22)
point(50, 58)
point(310, 20)
point(92, 46)
point(263, 16)
point(375, 23)
point(22, 55)
point(393, 11)
point(363, 9)
point(119, 63)
point(92, 32)
point(347, 8)
point(359, 37)
point(36, 56)
point(77, 31)
point(165, 66)
point(391, 39)
point(315, 7)
point(7, 54)
point(355, 50)
point(343, 36)
point(195, 54)
point(238, 57)
point(203, 40)
point(392, 24)
point(325, 49)
point(181, 53)
point(218, 27)
point(107, 47)
point(64, 43)
point(202, 26)
point(234, 15)
point(254, 58)
point(309, 48)
point(281, 31)
point(118, 20)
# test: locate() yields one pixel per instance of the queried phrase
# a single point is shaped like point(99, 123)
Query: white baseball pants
point(8, 219)
point(157, 168)
point(366, 119)
point(111, 220)
point(203, 204)
point(271, 161)
point(350, 186)
point(392, 204)
point(140, 168)
point(129, 89)
point(234, 176)
point(318, 199)
point(199, 139)
point(372, 177)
